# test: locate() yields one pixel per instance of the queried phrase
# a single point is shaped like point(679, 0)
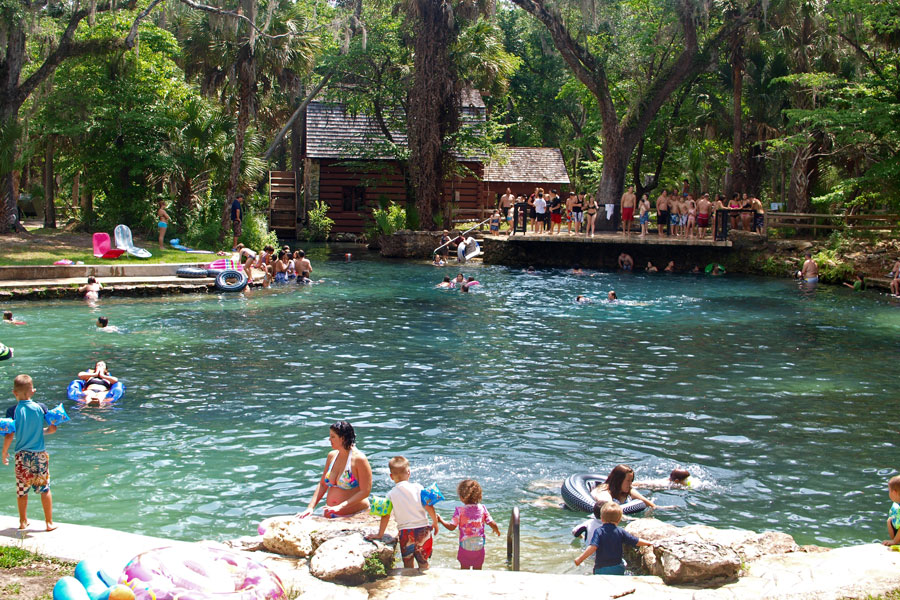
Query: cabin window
point(354, 198)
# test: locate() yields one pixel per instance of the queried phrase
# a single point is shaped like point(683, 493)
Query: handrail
point(512, 539)
point(463, 234)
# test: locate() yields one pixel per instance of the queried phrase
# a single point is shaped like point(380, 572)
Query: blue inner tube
point(231, 281)
point(75, 391)
point(576, 493)
point(191, 272)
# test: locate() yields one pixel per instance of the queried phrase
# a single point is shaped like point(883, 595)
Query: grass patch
point(13, 556)
point(13, 588)
point(46, 246)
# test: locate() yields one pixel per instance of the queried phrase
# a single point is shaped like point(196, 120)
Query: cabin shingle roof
point(528, 165)
point(333, 132)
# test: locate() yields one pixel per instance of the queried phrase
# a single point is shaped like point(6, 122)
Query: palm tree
point(232, 58)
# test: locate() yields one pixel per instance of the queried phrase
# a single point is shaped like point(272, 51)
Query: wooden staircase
point(283, 203)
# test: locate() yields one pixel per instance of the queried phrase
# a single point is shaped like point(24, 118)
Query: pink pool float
point(200, 573)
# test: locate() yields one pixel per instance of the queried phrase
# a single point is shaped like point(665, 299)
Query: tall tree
point(16, 25)
point(586, 51)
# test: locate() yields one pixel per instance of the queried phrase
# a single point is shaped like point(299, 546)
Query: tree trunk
point(433, 108)
point(49, 186)
point(76, 184)
point(735, 179)
point(246, 69)
point(803, 173)
point(612, 180)
point(10, 71)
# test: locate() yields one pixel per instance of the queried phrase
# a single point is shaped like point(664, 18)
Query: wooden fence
point(827, 222)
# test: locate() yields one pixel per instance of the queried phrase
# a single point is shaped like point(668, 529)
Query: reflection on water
point(777, 398)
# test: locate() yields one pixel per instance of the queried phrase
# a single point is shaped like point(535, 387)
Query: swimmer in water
point(8, 318)
point(103, 323)
point(438, 261)
point(582, 299)
point(530, 270)
point(678, 479)
point(651, 268)
point(611, 296)
point(91, 290)
point(446, 284)
point(470, 281)
point(576, 270)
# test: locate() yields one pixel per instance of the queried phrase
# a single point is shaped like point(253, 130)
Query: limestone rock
point(699, 553)
point(248, 543)
point(411, 244)
point(691, 560)
point(343, 559)
point(288, 536)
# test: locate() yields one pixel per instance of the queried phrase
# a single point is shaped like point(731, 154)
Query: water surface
point(780, 399)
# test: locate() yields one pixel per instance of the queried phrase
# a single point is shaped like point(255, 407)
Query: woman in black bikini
point(97, 383)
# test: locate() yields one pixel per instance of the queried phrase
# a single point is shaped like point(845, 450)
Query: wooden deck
point(607, 238)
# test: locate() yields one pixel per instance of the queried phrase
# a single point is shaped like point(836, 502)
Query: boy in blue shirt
point(893, 521)
point(32, 460)
point(607, 542)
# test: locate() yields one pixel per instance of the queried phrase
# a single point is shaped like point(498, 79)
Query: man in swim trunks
point(506, 202)
point(759, 216)
point(810, 271)
point(303, 266)
point(662, 212)
point(556, 207)
point(626, 263)
point(163, 223)
point(629, 200)
point(703, 208)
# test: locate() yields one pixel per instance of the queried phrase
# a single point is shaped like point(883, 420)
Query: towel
point(610, 209)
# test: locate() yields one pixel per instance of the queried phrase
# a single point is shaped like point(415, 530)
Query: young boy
point(893, 521)
point(607, 542)
point(412, 518)
point(32, 461)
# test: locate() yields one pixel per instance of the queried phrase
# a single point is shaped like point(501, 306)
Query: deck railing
point(512, 540)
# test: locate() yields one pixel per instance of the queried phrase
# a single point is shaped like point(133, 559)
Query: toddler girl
point(471, 520)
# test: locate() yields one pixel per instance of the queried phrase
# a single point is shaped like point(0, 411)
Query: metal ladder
point(512, 540)
point(463, 234)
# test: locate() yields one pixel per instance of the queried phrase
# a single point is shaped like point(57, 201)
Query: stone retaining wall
point(30, 272)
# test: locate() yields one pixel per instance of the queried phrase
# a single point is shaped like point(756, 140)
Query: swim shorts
point(628, 213)
point(163, 224)
point(611, 570)
point(675, 219)
point(236, 227)
point(578, 217)
point(703, 220)
point(759, 221)
point(32, 472)
point(645, 218)
point(556, 217)
point(416, 543)
point(471, 553)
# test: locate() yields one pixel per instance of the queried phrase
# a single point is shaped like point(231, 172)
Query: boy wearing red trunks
point(412, 517)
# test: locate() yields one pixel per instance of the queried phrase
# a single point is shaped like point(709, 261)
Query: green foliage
point(389, 219)
point(374, 568)
point(14, 556)
point(832, 269)
point(320, 223)
point(112, 115)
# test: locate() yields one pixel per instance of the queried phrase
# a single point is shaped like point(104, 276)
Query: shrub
point(831, 268)
point(389, 219)
point(320, 223)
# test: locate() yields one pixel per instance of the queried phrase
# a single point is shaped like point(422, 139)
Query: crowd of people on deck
point(677, 214)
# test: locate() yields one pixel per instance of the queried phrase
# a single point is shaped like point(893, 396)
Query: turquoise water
point(779, 399)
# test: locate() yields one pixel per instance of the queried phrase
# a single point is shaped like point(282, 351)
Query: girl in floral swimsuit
point(471, 520)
